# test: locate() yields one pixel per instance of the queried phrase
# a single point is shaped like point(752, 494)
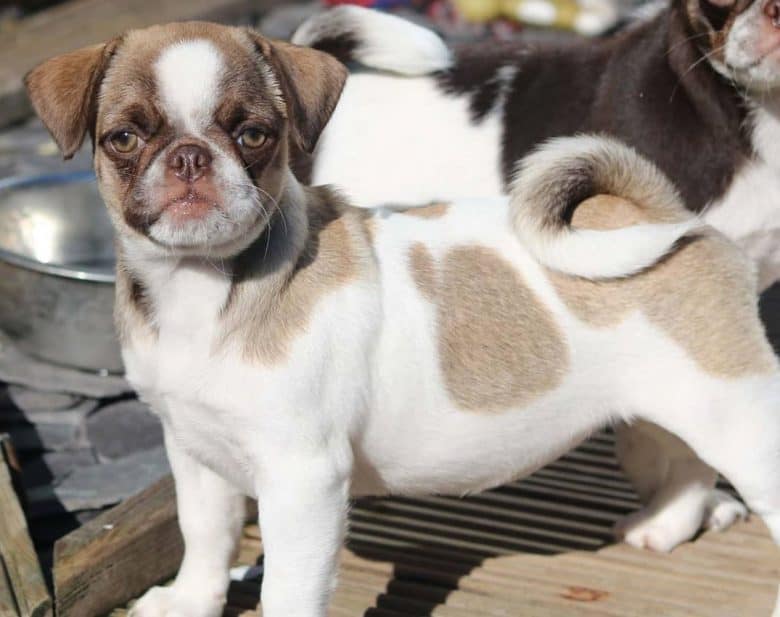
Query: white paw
point(641, 530)
point(723, 511)
point(169, 602)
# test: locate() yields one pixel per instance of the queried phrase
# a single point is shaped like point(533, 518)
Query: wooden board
point(119, 554)
point(78, 23)
point(22, 588)
point(536, 548)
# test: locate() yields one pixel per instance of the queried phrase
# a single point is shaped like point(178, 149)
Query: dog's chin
point(762, 77)
point(197, 228)
point(754, 72)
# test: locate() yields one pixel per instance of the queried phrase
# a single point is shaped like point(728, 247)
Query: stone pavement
point(79, 455)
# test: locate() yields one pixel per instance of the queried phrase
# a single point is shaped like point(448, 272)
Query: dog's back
point(488, 341)
point(446, 123)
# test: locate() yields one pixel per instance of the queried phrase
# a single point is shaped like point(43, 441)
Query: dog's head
point(740, 38)
point(192, 126)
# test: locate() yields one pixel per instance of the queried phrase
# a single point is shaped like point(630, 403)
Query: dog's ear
point(311, 82)
point(63, 91)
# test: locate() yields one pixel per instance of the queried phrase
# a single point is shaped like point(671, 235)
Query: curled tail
point(377, 40)
point(555, 179)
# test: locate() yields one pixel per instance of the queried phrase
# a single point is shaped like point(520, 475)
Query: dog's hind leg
point(676, 488)
point(735, 428)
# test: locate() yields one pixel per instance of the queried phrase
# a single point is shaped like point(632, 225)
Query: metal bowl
point(57, 271)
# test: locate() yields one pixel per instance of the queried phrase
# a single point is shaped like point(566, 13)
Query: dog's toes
point(168, 602)
point(664, 529)
point(157, 602)
point(723, 511)
point(641, 531)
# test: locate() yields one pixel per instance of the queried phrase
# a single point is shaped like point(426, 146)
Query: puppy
point(694, 88)
point(304, 351)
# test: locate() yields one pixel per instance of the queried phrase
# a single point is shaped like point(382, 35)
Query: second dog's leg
point(211, 515)
point(676, 488)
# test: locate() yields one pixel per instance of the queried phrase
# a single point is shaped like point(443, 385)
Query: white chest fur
point(187, 299)
point(177, 372)
point(233, 414)
point(749, 212)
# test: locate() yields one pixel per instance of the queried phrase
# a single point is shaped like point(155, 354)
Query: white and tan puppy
point(302, 351)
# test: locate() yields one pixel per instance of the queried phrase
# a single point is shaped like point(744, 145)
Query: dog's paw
point(157, 602)
point(641, 530)
point(172, 602)
point(665, 529)
point(723, 511)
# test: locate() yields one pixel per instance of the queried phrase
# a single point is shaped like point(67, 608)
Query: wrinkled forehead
point(186, 75)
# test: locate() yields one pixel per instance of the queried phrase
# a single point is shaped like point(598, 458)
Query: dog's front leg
point(303, 510)
point(211, 515)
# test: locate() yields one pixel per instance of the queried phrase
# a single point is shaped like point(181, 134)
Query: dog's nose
point(189, 162)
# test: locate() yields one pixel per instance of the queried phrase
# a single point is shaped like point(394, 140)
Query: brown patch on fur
point(278, 286)
point(312, 82)
point(423, 271)
point(133, 311)
point(498, 346)
point(431, 211)
point(703, 297)
point(370, 224)
point(63, 90)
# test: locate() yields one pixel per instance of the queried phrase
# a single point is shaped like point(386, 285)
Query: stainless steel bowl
point(57, 270)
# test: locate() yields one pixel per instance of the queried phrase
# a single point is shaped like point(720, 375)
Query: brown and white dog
point(695, 87)
point(303, 351)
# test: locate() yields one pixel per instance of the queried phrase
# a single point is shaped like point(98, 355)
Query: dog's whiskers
point(706, 56)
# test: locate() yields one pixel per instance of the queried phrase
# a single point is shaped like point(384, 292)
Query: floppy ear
point(63, 91)
point(311, 81)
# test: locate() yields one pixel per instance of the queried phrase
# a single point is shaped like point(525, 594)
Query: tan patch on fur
point(62, 91)
point(432, 211)
point(423, 271)
point(312, 81)
point(607, 212)
point(703, 297)
point(272, 303)
point(133, 313)
point(370, 224)
point(498, 346)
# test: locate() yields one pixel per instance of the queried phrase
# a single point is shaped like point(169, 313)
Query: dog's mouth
point(190, 205)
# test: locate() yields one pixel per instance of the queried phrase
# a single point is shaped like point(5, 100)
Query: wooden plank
point(118, 555)
point(23, 583)
point(445, 557)
point(8, 606)
point(79, 23)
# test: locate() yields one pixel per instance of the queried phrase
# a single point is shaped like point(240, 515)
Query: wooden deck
point(537, 548)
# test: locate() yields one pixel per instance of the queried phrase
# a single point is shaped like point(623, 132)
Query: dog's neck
point(267, 261)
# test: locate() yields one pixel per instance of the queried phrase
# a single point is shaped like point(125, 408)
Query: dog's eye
point(252, 138)
point(124, 142)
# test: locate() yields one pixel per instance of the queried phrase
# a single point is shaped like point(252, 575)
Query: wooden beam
point(79, 23)
point(118, 555)
point(8, 606)
point(21, 578)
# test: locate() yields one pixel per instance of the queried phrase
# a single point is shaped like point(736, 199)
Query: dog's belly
point(420, 440)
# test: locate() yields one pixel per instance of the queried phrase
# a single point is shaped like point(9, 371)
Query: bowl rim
point(60, 270)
